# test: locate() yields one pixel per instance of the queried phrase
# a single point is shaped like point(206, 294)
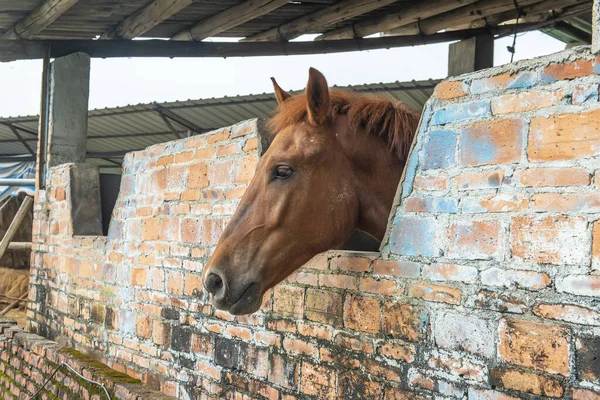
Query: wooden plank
point(19, 246)
point(42, 16)
point(463, 15)
point(319, 19)
point(146, 18)
point(42, 134)
point(11, 50)
point(415, 12)
point(14, 225)
point(229, 18)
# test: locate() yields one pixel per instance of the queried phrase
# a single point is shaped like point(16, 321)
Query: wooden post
point(471, 55)
point(596, 27)
point(14, 225)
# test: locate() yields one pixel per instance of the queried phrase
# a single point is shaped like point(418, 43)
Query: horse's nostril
point(213, 283)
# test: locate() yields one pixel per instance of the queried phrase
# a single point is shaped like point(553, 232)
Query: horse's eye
point(282, 172)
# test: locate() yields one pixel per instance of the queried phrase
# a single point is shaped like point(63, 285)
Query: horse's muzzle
point(237, 298)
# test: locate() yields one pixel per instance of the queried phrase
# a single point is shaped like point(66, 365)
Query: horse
point(333, 167)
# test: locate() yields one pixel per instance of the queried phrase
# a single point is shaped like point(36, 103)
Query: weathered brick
point(585, 94)
point(478, 180)
point(483, 394)
point(150, 230)
point(525, 101)
point(353, 343)
point(569, 313)
point(506, 80)
point(418, 380)
point(450, 90)
point(501, 202)
point(526, 382)
point(440, 150)
point(567, 70)
point(596, 246)
point(431, 205)
point(398, 351)
point(352, 264)
point(161, 332)
point(431, 182)
point(198, 176)
point(384, 287)
point(573, 202)
point(588, 350)
point(361, 313)
point(584, 394)
point(437, 293)
point(318, 380)
point(355, 386)
point(534, 345)
point(338, 281)
point(300, 347)
point(244, 170)
point(499, 302)
point(414, 236)
point(551, 239)
point(450, 272)
point(564, 136)
point(324, 306)
point(530, 280)
point(457, 365)
point(404, 321)
point(284, 371)
point(491, 142)
point(288, 300)
point(476, 240)
point(323, 332)
point(143, 326)
point(460, 112)
point(394, 393)
point(403, 269)
point(463, 332)
point(539, 177)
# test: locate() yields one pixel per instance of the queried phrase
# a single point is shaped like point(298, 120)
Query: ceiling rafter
point(41, 17)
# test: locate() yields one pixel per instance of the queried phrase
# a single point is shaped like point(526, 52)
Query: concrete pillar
point(67, 109)
point(596, 27)
point(471, 55)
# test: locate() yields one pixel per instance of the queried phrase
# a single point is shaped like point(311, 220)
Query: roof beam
point(463, 15)
point(169, 124)
point(319, 19)
point(42, 16)
point(20, 138)
point(11, 50)
point(414, 12)
point(229, 18)
point(146, 18)
point(166, 113)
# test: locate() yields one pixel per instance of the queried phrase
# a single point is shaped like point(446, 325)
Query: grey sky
point(118, 82)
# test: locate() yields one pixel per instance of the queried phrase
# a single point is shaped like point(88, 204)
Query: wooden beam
point(230, 18)
point(11, 50)
point(463, 15)
point(15, 224)
point(318, 20)
point(19, 246)
point(42, 16)
point(415, 12)
point(18, 135)
point(14, 303)
point(146, 18)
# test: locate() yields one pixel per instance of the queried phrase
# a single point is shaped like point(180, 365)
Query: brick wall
point(487, 286)
point(28, 360)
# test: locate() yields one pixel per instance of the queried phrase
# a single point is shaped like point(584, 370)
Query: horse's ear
point(317, 97)
point(280, 94)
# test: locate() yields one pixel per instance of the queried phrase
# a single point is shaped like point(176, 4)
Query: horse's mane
point(388, 119)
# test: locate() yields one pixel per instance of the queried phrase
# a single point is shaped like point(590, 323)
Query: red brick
point(534, 345)
point(353, 343)
point(492, 83)
point(403, 269)
point(476, 240)
point(578, 202)
point(303, 278)
point(228, 149)
point(219, 173)
point(430, 182)
point(482, 394)
point(500, 202)
point(324, 306)
point(161, 333)
point(538, 177)
point(397, 351)
point(169, 228)
point(143, 326)
point(525, 101)
point(383, 371)
point(288, 300)
point(191, 230)
point(198, 176)
point(205, 153)
point(530, 280)
point(361, 313)
point(384, 287)
point(251, 144)
point(568, 313)
point(418, 380)
point(526, 382)
point(478, 180)
point(318, 380)
point(458, 366)
point(584, 394)
point(450, 90)
point(394, 393)
point(150, 230)
point(193, 285)
point(587, 365)
point(355, 386)
point(437, 293)
point(352, 264)
point(320, 261)
point(138, 276)
point(217, 136)
point(491, 142)
point(568, 70)
point(404, 321)
point(596, 246)
point(338, 281)
point(202, 344)
point(342, 359)
point(184, 157)
point(314, 330)
point(450, 272)
point(244, 169)
point(239, 332)
point(564, 136)
point(284, 371)
point(581, 285)
point(499, 302)
point(165, 160)
point(271, 339)
point(552, 239)
point(208, 370)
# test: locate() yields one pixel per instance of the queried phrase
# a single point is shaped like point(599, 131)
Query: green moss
point(99, 368)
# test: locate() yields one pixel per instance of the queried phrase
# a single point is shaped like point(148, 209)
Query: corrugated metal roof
point(138, 126)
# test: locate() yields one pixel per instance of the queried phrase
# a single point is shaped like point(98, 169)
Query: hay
point(13, 282)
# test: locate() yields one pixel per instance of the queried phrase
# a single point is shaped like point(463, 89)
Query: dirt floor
point(14, 283)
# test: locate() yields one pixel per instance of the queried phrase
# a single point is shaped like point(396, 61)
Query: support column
point(596, 27)
point(67, 109)
point(471, 55)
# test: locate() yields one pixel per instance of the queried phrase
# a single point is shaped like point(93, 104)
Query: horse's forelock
point(391, 120)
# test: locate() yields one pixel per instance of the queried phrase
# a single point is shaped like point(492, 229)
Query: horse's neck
point(378, 172)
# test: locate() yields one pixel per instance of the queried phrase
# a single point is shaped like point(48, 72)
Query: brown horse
point(333, 167)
